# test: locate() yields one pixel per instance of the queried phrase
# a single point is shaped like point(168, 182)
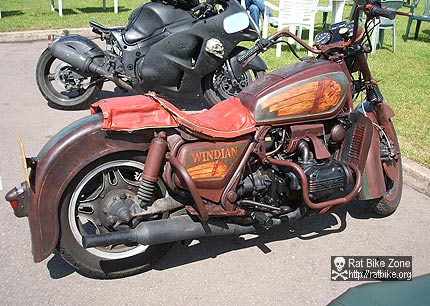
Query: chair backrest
point(426, 7)
point(327, 8)
point(391, 5)
point(293, 12)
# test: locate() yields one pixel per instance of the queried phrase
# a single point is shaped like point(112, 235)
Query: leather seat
point(227, 119)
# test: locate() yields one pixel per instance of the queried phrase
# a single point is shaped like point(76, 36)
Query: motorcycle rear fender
point(80, 43)
point(256, 64)
point(373, 175)
point(76, 50)
point(59, 162)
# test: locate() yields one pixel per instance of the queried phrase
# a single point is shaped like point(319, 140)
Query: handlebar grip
point(379, 11)
point(251, 52)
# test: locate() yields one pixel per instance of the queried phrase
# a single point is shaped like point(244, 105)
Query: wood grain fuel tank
point(305, 91)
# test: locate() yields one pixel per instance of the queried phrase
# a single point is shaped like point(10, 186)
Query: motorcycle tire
point(218, 85)
point(53, 79)
point(85, 209)
point(393, 177)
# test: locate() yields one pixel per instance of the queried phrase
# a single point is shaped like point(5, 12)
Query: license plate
point(24, 160)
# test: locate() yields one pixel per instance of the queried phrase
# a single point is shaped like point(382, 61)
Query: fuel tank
point(152, 16)
point(304, 91)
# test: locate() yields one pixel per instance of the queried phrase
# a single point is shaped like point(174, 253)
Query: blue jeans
point(255, 8)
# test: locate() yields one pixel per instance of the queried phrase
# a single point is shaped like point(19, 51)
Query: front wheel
point(97, 201)
point(65, 86)
point(393, 177)
point(220, 84)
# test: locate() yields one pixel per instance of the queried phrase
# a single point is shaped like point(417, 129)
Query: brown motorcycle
point(114, 190)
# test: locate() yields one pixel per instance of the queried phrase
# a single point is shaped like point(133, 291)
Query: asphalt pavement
point(289, 265)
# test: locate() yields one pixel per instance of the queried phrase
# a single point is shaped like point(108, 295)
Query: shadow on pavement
point(311, 227)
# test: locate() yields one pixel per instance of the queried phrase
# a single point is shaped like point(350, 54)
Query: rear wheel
point(64, 85)
point(95, 203)
point(220, 85)
point(393, 177)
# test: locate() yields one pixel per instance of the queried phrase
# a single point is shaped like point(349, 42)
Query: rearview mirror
point(236, 22)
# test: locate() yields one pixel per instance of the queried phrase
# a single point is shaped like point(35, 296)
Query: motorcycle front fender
point(373, 175)
point(256, 64)
point(60, 160)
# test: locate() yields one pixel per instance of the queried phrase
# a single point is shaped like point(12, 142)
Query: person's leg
point(254, 12)
point(261, 6)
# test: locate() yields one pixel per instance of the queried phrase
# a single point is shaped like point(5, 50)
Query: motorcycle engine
point(278, 188)
point(327, 178)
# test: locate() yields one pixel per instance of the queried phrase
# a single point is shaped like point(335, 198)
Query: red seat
point(227, 119)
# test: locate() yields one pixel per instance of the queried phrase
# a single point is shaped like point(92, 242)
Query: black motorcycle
point(183, 55)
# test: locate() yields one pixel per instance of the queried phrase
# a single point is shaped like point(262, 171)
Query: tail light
point(17, 197)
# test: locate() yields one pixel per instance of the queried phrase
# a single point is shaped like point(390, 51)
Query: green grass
point(404, 76)
point(20, 15)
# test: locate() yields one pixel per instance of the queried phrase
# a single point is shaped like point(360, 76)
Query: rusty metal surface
point(284, 84)
point(186, 178)
point(373, 175)
point(155, 157)
point(308, 132)
point(60, 164)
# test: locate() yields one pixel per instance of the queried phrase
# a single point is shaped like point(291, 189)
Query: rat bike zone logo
point(364, 268)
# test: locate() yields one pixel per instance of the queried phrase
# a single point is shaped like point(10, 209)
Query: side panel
point(212, 164)
point(60, 160)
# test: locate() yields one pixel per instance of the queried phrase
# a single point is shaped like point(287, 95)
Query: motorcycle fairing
point(183, 54)
point(373, 174)
point(227, 119)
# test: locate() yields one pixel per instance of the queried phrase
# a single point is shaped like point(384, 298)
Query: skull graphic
point(339, 262)
point(214, 46)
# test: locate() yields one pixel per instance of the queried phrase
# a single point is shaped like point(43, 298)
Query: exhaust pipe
point(79, 52)
point(168, 230)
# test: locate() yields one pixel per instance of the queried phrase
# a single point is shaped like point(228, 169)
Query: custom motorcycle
point(184, 55)
point(114, 190)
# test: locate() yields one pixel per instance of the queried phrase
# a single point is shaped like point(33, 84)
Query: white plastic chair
point(60, 6)
point(386, 24)
point(325, 10)
point(293, 14)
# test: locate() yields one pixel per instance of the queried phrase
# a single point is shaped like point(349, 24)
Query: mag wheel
point(220, 85)
point(393, 177)
point(64, 85)
point(95, 202)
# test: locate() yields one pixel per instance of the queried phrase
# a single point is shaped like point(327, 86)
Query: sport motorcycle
point(115, 189)
point(186, 54)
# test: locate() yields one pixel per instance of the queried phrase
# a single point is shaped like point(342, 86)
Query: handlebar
point(371, 9)
point(260, 45)
point(377, 11)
